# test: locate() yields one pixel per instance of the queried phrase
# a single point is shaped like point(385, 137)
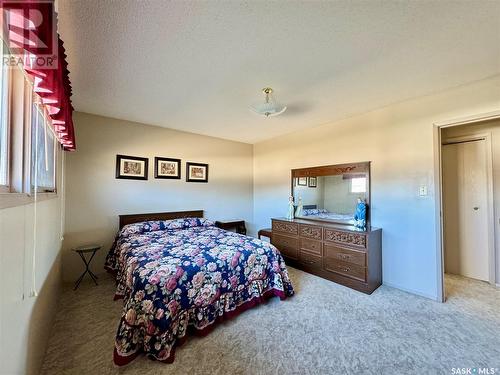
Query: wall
point(25, 320)
point(493, 129)
point(95, 197)
point(399, 140)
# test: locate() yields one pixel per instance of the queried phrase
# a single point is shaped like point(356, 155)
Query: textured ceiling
point(196, 66)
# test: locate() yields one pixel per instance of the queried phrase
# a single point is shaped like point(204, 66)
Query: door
point(465, 200)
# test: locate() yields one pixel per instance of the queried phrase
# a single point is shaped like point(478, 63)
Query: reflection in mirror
point(330, 197)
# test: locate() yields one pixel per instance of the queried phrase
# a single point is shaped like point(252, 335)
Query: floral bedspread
point(322, 213)
point(186, 273)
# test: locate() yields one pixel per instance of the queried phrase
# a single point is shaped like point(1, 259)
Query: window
point(28, 145)
point(358, 185)
point(42, 152)
point(4, 124)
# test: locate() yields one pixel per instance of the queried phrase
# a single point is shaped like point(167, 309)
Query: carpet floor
point(324, 329)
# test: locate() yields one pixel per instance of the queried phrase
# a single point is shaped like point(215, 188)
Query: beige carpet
point(324, 329)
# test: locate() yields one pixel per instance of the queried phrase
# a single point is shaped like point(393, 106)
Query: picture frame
point(313, 182)
point(131, 167)
point(167, 168)
point(196, 172)
point(302, 181)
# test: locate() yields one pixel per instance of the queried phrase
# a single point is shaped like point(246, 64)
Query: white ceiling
point(196, 66)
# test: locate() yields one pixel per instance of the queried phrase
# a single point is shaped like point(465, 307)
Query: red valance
point(31, 28)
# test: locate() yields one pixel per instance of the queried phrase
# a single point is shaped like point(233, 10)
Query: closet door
point(465, 199)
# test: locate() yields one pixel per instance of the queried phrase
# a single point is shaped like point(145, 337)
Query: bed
point(178, 272)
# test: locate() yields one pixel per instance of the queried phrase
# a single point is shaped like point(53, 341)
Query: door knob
point(476, 208)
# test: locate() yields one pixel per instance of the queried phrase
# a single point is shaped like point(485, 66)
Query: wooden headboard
point(310, 207)
point(136, 218)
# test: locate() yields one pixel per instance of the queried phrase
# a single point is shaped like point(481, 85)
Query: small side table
point(265, 232)
point(238, 225)
point(82, 250)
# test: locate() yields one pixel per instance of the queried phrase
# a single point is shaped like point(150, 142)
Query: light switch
point(422, 191)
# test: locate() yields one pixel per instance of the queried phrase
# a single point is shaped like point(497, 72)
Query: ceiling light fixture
point(270, 107)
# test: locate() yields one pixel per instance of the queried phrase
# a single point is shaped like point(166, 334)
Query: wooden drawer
point(285, 227)
point(345, 255)
point(312, 246)
point(310, 260)
point(311, 231)
point(357, 240)
point(346, 269)
point(288, 246)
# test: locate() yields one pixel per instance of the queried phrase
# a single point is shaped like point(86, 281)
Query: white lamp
point(270, 107)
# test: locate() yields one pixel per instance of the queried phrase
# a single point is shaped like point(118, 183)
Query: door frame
point(438, 126)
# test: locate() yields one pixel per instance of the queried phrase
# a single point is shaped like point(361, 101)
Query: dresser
point(341, 253)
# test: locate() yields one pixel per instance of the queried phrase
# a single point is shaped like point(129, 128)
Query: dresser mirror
point(331, 193)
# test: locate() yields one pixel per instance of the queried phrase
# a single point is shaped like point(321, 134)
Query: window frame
point(35, 106)
point(8, 85)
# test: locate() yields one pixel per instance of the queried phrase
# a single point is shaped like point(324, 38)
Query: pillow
point(189, 222)
point(131, 229)
point(314, 211)
point(310, 211)
point(155, 225)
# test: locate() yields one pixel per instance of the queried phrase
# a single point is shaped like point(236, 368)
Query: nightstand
point(238, 225)
point(265, 233)
point(82, 250)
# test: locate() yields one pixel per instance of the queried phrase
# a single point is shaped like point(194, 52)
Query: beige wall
point(95, 197)
point(399, 140)
point(493, 129)
point(26, 320)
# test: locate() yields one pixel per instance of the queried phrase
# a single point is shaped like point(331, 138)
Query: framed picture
point(196, 172)
point(313, 182)
point(131, 167)
point(167, 168)
point(302, 181)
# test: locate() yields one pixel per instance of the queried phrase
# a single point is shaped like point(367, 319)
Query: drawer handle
point(342, 256)
point(344, 269)
point(309, 261)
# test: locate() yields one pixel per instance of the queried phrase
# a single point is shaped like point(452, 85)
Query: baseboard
point(407, 290)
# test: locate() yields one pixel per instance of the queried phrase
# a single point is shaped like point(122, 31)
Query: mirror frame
point(332, 170)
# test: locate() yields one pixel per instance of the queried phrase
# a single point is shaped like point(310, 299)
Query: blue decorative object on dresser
point(360, 214)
